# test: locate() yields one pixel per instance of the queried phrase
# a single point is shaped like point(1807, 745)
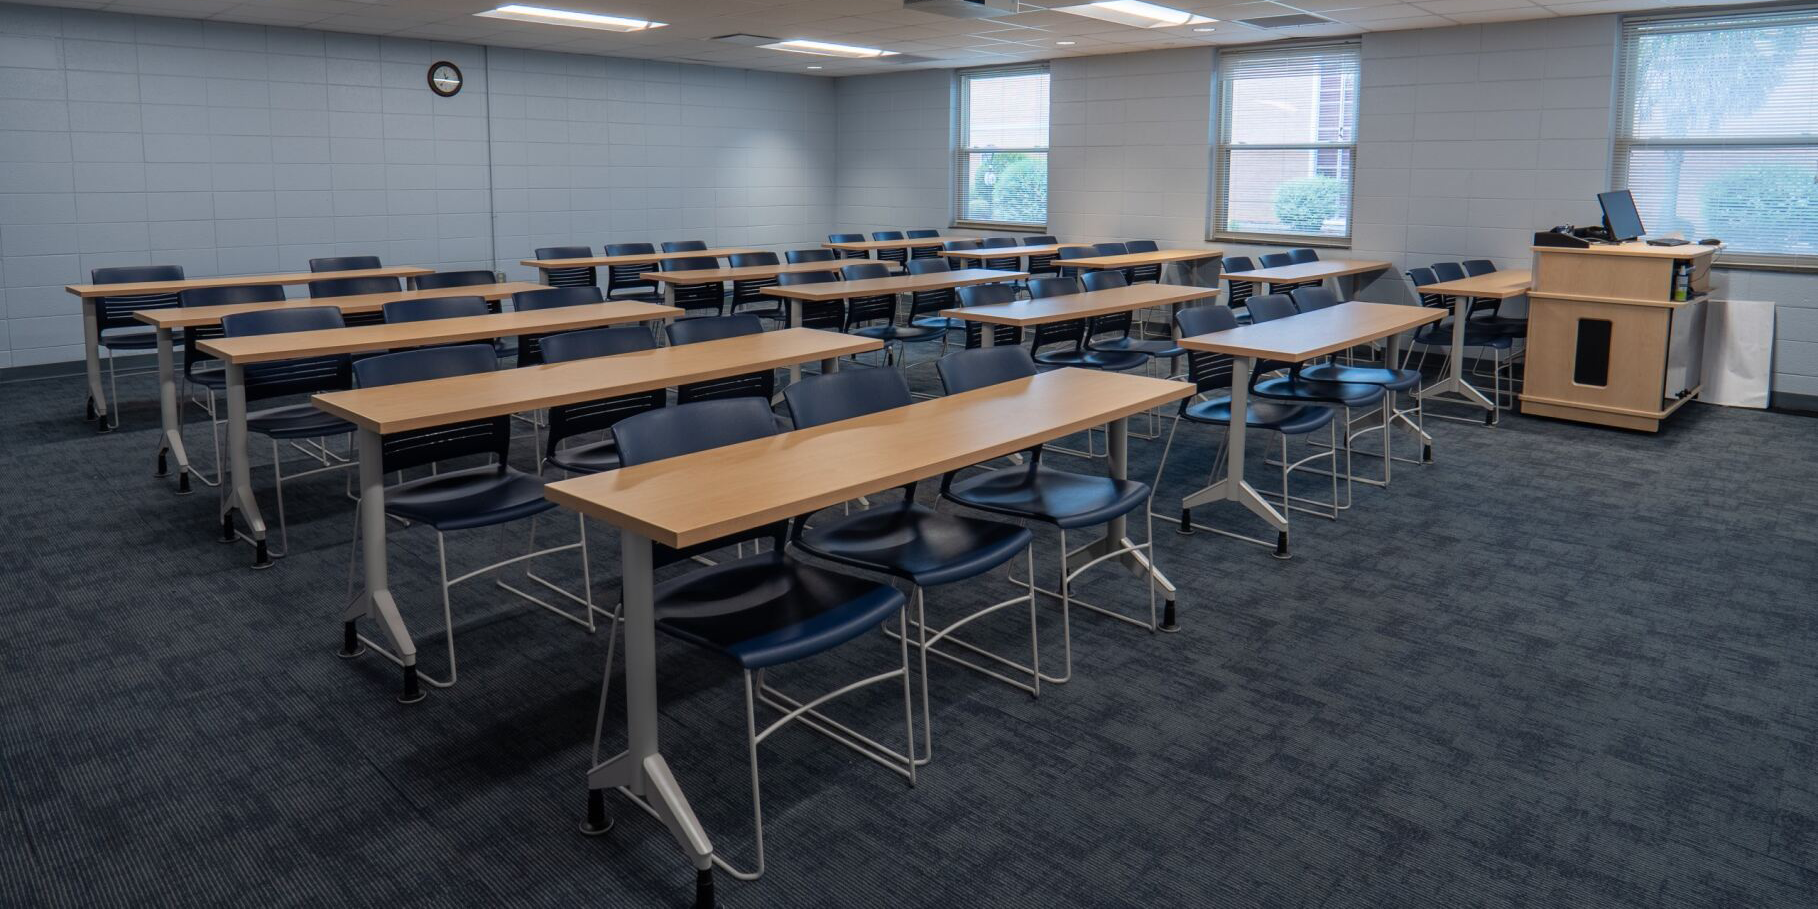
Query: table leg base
point(227, 527)
point(350, 641)
point(597, 823)
point(703, 889)
point(1168, 623)
point(1426, 454)
point(102, 426)
point(412, 692)
point(163, 465)
point(261, 556)
point(183, 487)
point(88, 409)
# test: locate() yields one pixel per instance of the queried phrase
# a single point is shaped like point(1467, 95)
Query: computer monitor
point(1619, 215)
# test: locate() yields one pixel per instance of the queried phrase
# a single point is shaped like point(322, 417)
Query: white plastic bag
point(1738, 352)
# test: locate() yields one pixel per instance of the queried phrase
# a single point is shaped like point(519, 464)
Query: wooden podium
point(1607, 343)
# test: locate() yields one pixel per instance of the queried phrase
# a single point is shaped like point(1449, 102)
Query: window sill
point(1282, 241)
point(1804, 268)
point(1000, 226)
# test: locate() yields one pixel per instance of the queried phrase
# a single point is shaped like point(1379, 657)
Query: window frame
point(1222, 146)
point(1623, 142)
point(960, 176)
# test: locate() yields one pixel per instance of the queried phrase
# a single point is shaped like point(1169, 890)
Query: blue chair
point(1448, 271)
point(925, 306)
point(1120, 324)
point(798, 256)
point(862, 314)
point(911, 542)
point(1210, 405)
point(578, 276)
point(848, 238)
point(425, 308)
point(1073, 252)
point(205, 372)
point(1238, 291)
point(1488, 310)
point(352, 287)
point(1040, 264)
point(567, 421)
point(1139, 273)
point(1035, 492)
point(1073, 332)
point(1001, 263)
point(1275, 260)
point(750, 291)
point(530, 351)
point(923, 252)
point(1307, 299)
point(676, 246)
point(989, 295)
point(343, 263)
point(699, 297)
point(442, 280)
point(827, 315)
point(764, 610)
point(899, 256)
point(287, 378)
point(1280, 260)
point(1302, 254)
point(115, 327)
point(1481, 334)
point(629, 275)
point(713, 328)
point(465, 498)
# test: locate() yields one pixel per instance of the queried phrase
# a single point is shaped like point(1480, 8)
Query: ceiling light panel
point(1135, 13)
point(572, 18)
point(828, 49)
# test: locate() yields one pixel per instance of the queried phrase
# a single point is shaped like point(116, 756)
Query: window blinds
point(1287, 143)
point(1717, 131)
point(1001, 167)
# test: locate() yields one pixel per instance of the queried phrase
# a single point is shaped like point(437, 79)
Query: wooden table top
point(1302, 337)
point(750, 272)
point(1158, 257)
point(437, 402)
point(187, 316)
point(690, 499)
point(297, 344)
point(1634, 248)
point(1047, 249)
point(901, 284)
point(1081, 305)
point(290, 277)
point(1310, 271)
point(872, 245)
point(637, 259)
point(1497, 285)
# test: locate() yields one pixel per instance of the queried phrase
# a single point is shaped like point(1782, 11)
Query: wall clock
point(444, 78)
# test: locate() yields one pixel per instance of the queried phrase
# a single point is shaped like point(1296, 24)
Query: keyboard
point(1669, 241)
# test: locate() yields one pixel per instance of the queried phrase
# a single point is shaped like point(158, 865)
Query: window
point(1287, 144)
point(1001, 175)
point(1717, 133)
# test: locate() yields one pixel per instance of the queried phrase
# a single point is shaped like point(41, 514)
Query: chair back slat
point(304, 375)
point(431, 445)
point(117, 312)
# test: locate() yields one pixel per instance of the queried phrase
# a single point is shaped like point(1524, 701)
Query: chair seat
point(1392, 379)
point(1108, 360)
point(942, 323)
point(914, 542)
point(1288, 419)
point(1058, 497)
point(133, 340)
point(769, 312)
point(1440, 335)
point(208, 378)
point(1287, 388)
point(592, 457)
point(1506, 325)
point(906, 333)
point(461, 499)
point(1154, 347)
point(296, 421)
point(769, 609)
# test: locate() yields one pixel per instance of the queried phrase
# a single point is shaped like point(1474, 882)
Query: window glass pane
point(1008, 112)
point(1294, 191)
point(1287, 128)
point(1760, 200)
point(1001, 172)
point(1715, 83)
point(1010, 187)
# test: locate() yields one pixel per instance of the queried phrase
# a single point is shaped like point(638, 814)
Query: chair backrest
point(1137, 246)
point(804, 277)
point(926, 266)
point(998, 242)
point(629, 274)
point(1240, 289)
point(959, 244)
point(1307, 299)
point(972, 369)
point(691, 263)
point(844, 395)
point(219, 296)
point(588, 343)
point(443, 279)
point(712, 328)
point(1448, 271)
point(1269, 307)
point(1042, 240)
point(845, 238)
point(418, 447)
point(1421, 277)
point(423, 309)
point(1302, 254)
point(1105, 280)
point(796, 256)
point(1109, 249)
point(568, 277)
point(688, 428)
point(675, 246)
point(566, 420)
point(1077, 252)
point(552, 297)
point(343, 263)
point(989, 295)
point(864, 271)
point(922, 233)
point(1052, 287)
point(349, 287)
point(117, 312)
point(752, 260)
point(629, 249)
point(1275, 260)
point(887, 235)
point(1475, 267)
point(290, 377)
point(1237, 263)
point(1206, 370)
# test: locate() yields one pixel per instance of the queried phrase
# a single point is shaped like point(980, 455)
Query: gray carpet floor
point(1562, 666)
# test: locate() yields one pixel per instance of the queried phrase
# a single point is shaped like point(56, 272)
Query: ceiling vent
point(747, 40)
point(963, 9)
point(1298, 19)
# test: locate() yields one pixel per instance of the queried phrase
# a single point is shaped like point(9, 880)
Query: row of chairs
point(1486, 328)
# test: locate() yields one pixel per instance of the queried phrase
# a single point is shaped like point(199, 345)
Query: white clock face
point(445, 79)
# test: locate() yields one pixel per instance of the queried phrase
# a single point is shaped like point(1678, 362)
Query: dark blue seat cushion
point(1291, 419)
point(940, 323)
point(133, 340)
point(1154, 347)
point(769, 609)
point(296, 421)
point(592, 457)
point(1064, 499)
point(1393, 379)
point(208, 378)
point(476, 497)
point(899, 332)
point(913, 542)
point(1108, 360)
point(1439, 334)
point(1287, 388)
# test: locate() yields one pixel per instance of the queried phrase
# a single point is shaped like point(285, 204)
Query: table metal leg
point(375, 602)
point(1454, 382)
point(1117, 533)
point(1233, 487)
point(170, 412)
point(239, 494)
point(91, 354)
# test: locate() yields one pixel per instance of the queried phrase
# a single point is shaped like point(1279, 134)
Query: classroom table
point(1163, 257)
point(685, 500)
point(388, 409)
point(1295, 339)
point(1029, 313)
point(1496, 285)
point(1318, 270)
point(239, 352)
point(1024, 253)
point(91, 349)
point(167, 320)
point(637, 258)
point(670, 279)
point(871, 246)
